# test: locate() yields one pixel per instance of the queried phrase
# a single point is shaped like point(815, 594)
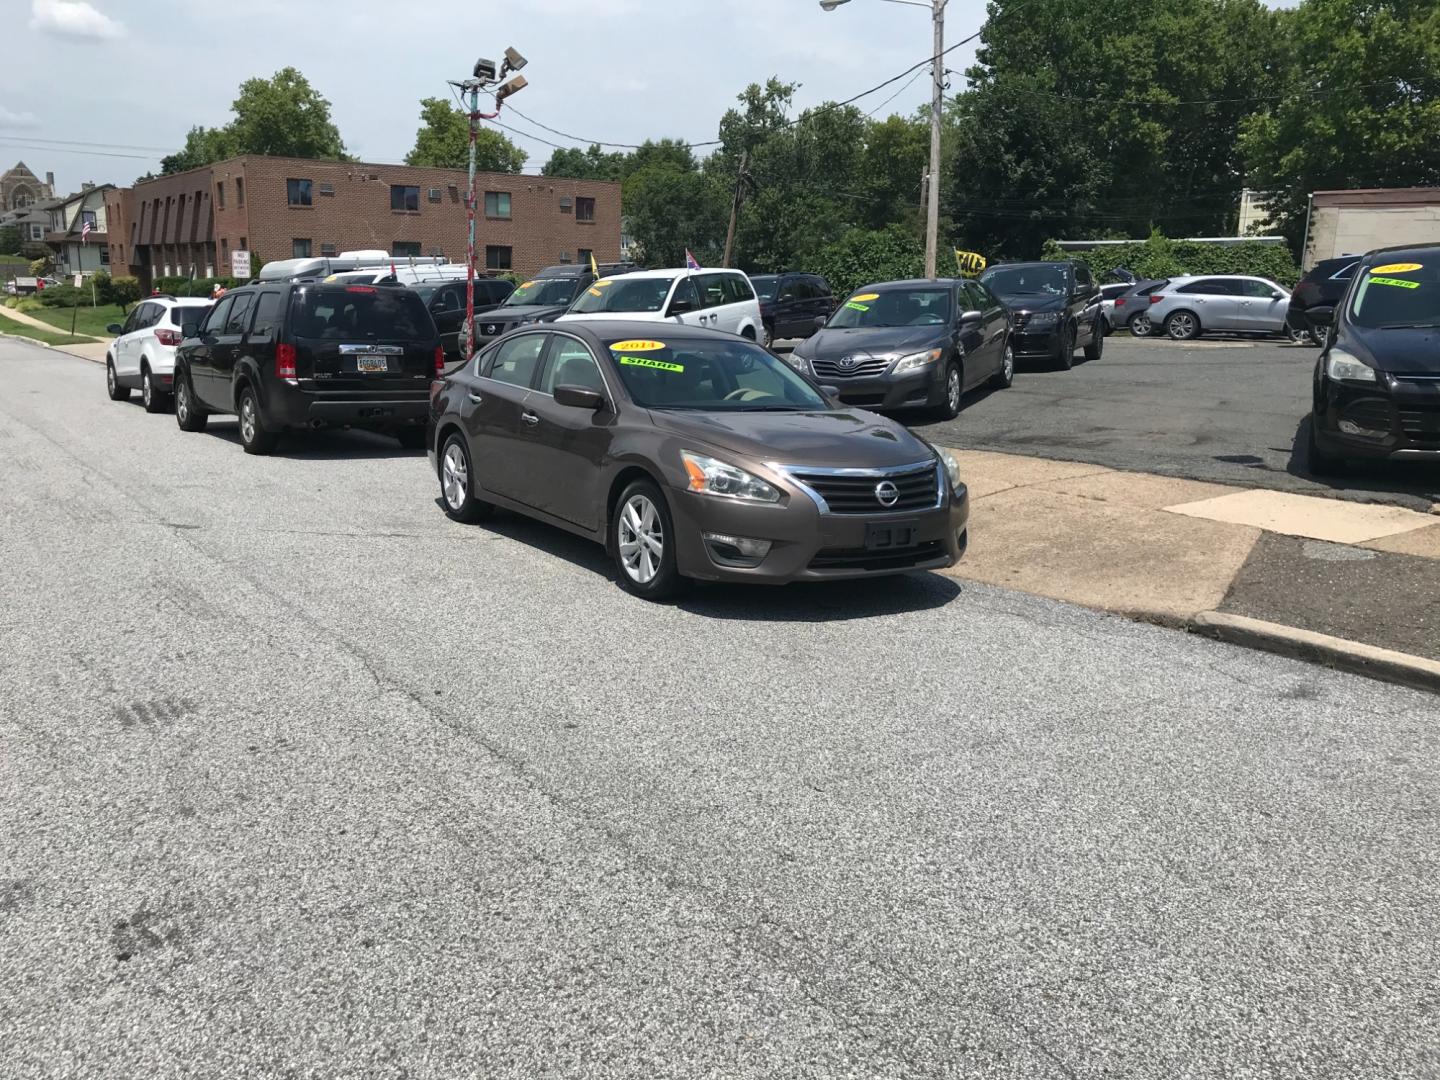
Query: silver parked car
point(1230, 303)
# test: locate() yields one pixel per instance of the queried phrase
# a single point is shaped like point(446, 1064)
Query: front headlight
point(712, 477)
point(918, 360)
point(1347, 366)
point(799, 363)
point(952, 467)
point(1043, 318)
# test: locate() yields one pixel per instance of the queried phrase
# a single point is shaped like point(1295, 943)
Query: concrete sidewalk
point(1177, 551)
point(91, 348)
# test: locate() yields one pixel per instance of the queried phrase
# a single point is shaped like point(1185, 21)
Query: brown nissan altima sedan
point(690, 454)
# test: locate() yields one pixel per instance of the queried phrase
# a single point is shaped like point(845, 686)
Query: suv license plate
point(889, 537)
point(373, 363)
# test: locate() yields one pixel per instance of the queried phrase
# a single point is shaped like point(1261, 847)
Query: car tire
point(1318, 462)
point(1140, 325)
point(457, 483)
point(1005, 377)
point(1183, 326)
point(953, 391)
point(1097, 342)
point(411, 438)
point(768, 336)
point(113, 388)
point(1065, 350)
point(255, 438)
point(1300, 336)
point(188, 413)
point(642, 523)
point(155, 401)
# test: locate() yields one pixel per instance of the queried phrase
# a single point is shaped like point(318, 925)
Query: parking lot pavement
point(297, 777)
point(1229, 411)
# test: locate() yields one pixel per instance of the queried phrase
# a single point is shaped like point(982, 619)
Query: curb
point(1353, 656)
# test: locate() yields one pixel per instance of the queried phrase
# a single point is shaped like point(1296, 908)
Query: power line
point(65, 150)
point(80, 142)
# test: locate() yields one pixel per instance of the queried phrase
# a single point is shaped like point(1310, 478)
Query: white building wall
point(1354, 230)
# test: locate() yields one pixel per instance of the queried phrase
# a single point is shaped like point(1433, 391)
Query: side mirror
point(578, 397)
point(820, 321)
point(1321, 316)
point(832, 392)
point(190, 328)
point(971, 317)
point(680, 307)
point(115, 328)
point(1279, 296)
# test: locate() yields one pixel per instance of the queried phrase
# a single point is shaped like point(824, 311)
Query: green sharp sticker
point(1400, 283)
point(857, 307)
point(646, 362)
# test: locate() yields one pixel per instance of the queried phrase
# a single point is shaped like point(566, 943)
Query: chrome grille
point(852, 491)
point(868, 367)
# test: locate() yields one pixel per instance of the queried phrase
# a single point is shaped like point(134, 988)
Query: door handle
point(530, 418)
point(475, 399)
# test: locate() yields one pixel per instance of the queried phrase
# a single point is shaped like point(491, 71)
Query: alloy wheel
point(1299, 336)
point(110, 379)
point(1140, 326)
point(1182, 325)
point(953, 389)
point(247, 419)
point(182, 401)
point(147, 392)
point(1009, 366)
point(455, 477)
point(641, 539)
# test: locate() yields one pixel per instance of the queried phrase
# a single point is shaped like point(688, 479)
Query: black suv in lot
point(542, 299)
point(791, 303)
point(1056, 307)
point(1316, 294)
point(286, 357)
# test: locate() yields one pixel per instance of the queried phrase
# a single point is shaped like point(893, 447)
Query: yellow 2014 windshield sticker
point(527, 284)
point(1398, 282)
point(864, 296)
point(638, 346)
point(601, 284)
point(594, 292)
point(646, 362)
point(1397, 268)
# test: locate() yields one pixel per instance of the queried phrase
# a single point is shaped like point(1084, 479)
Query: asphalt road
point(300, 779)
point(1230, 411)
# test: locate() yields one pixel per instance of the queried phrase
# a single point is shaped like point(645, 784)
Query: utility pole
point(740, 182)
point(937, 100)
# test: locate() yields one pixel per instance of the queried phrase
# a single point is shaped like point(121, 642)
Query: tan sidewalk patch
point(1141, 490)
point(1422, 542)
point(1305, 515)
point(986, 473)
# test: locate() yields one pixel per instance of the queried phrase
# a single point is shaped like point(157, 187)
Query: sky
point(100, 90)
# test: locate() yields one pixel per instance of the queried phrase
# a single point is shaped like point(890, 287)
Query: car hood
point(833, 343)
point(523, 311)
point(1033, 302)
point(618, 316)
point(1403, 350)
point(825, 438)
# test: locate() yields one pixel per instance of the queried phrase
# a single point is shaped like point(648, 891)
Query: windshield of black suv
point(1398, 294)
point(765, 286)
point(546, 292)
point(719, 375)
point(1028, 280)
point(359, 312)
point(893, 307)
point(623, 294)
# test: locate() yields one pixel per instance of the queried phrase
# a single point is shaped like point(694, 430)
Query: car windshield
point(1398, 294)
point(714, 376)
point(1027, 280)
point(350, 312)
point(893, 307)
point(623, 294)
point(765, 287)
point(548, 292)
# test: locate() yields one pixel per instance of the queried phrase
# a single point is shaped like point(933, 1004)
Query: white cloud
point(10, 118)
point(74, 19)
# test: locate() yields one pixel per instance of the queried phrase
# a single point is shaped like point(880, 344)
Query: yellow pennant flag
point(593, 268)
point(968, 263)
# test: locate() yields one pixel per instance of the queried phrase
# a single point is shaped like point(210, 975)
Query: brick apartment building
point(187, 224)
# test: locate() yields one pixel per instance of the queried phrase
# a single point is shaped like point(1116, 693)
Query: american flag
point(85, 233)
point(690, 262)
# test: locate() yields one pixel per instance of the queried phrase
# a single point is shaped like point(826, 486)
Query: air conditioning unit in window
point(454, 193)
point(327, 189)
point(565, 257)
point(566, 202)
point(433, 194)
point(327, 249)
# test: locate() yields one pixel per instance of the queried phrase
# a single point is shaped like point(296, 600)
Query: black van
point(285, 356)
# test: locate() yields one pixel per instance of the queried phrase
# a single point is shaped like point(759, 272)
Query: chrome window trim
point(879, 473)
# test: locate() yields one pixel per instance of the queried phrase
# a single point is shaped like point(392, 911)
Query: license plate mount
point(890, 536)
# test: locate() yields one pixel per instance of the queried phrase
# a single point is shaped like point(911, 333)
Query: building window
point(433, 194)
point(224, 251)
point(497, 204)
point(497, 258)
point(37, 231)
point(584, 208)
point(239, 192)
point(405, 249)
point(104, 256)
point(297, 192)
point(404, 197)
point(583, 256)
point(219, 194)
point(299, 249)
point(244, 243)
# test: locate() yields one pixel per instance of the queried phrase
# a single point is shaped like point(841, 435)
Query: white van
point(719, 299)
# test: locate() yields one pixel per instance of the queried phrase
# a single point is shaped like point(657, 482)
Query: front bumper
point(807, 545)
point(914, 388)
point(1041, 342)
point(1397, 418)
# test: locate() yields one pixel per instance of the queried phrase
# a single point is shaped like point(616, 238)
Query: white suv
point(719, 299)
point(142, 356)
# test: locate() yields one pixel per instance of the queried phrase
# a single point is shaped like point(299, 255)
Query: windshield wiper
point(774, 408)
point(1409, 326)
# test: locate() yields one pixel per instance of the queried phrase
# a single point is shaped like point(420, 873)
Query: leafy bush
point(23, 303)
point(1160, 257)
point(863, 256)
point(63, 296)
point(181, 286)
point(124, 291)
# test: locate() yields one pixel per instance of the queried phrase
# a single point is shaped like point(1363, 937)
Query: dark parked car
point(1056, 308)
point(285, 356)
point(790, 303)
point(912, 343)
point(1317, 293)
point(690, 454)
point(542, 299)
point(446, 301)
point(1377, 382)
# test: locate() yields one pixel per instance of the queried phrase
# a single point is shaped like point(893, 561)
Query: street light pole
point(937, 101)
point(474, 109)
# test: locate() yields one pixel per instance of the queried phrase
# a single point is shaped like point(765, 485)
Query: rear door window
point(515, 360)
point(712, 290)
point(360, 313)
point(737, 289)
point(236, 321)
point(267, 315)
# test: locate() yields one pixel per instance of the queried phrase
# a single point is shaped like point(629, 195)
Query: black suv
point(285, 356)
point(1056, 307)
point(446, 301)
point(790, 303)
point(544, 298)
point(1317, 293)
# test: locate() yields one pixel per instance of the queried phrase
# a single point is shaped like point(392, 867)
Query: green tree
point(669, 209)
point(282, 116)
point(443, 142)
point(863, 256)
point(591, 164)
point(9, 240)
point(1363, 108)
